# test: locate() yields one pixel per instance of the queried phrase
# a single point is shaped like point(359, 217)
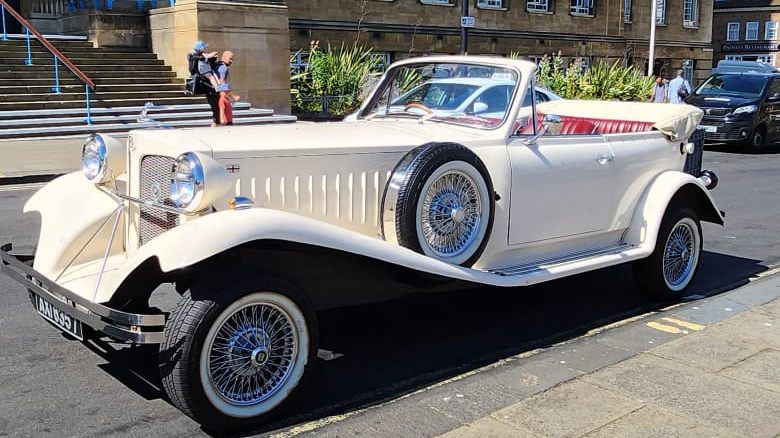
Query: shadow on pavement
point(381, 351)
point(768, 149)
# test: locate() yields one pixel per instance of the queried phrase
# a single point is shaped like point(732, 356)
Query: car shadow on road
point(374, 353)
point(769, 149)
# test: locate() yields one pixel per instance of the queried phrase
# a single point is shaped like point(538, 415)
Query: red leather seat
point(590, 125)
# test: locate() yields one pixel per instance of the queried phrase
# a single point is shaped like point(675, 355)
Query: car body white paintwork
point(322, 185)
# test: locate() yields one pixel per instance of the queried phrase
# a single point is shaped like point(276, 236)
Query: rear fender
point(668, 188)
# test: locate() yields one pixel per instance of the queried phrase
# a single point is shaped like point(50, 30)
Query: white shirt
point(675, 85)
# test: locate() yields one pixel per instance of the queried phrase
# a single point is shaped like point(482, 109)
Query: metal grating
point(155, 184)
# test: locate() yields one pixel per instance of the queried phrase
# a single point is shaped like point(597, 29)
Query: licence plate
point(59, 318)
point(709, 128)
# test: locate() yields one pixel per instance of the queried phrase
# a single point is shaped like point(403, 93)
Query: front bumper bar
point(131, 327)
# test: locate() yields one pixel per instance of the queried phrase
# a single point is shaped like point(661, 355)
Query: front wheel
point(231, 358)
point(757, 141)
point(670, 269)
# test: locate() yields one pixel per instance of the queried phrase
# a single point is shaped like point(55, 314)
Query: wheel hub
point(259, 357)
point(457, 214)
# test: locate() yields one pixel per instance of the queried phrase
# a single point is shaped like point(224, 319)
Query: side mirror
point(774, 97)
point(480, 107)
point(552, 123)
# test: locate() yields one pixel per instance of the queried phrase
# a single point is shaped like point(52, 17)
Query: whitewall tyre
point(440, 202)
point(232, 361)
point(673, 265)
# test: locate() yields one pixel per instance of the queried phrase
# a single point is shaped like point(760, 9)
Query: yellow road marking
point(685, 324)
point(665, 328)
point(765, 273)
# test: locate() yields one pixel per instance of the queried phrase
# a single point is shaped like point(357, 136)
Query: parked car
point(740, 108)
point(261, 227)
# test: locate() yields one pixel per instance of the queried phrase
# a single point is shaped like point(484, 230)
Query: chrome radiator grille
point(155, 186)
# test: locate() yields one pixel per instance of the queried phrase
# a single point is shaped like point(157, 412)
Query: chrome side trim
point(133, 327)
point(539, 265)
point(388, 230)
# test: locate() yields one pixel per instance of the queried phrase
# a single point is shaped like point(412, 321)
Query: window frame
point(438, 2)
point(576, 8)
point(747, 30)
point(547, 6)
point(500, 7)
point(627, 5)
point(660, 8)
point(737, 26)
point(766, 30)
point(692, 7)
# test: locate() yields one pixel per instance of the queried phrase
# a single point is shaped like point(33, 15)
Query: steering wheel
point(418, 105)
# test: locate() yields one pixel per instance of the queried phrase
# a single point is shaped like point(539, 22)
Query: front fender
point(212, 234)
point(670, 186)
point(71, 210)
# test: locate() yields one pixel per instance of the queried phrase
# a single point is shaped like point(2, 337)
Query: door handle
point(604, 159)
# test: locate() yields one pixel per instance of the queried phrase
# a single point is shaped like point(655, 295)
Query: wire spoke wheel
point(252, 354)
point(679, 254)
point(451, 213)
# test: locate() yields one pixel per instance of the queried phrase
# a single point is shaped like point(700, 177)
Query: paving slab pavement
point(21, 158)
point(708, 368)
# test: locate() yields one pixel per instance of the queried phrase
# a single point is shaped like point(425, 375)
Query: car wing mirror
point(480, 107)
point(774, 97)
point(552, 123)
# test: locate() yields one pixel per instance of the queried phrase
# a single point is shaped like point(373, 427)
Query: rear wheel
point(236, 351)
point(670, 269)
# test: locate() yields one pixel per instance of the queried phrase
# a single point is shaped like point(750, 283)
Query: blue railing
point(80, 5)
point(58, 57)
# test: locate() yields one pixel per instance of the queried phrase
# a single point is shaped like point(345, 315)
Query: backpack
point(195, 84)
point(682, 91)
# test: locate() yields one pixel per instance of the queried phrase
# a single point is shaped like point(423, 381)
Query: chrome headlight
point(187, 181)
point(747, 109)
point(93, 158)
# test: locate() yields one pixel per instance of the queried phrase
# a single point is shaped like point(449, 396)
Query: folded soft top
point(676, 121)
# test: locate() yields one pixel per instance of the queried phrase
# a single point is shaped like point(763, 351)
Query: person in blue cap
point(201, 66)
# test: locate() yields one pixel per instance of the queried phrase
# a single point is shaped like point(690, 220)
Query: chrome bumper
point(132, 327)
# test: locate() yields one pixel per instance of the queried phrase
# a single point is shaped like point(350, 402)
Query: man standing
point(660, 91)
point(679, 88)
point(223, 71)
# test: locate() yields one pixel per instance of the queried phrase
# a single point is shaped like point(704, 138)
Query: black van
point(739, 108)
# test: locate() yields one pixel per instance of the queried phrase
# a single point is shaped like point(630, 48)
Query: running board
point(558, 262)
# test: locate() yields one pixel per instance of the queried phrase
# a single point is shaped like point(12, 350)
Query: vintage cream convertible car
point(261, 227)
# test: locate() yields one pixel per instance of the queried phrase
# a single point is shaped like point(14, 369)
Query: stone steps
point(79, 88)
point(19, 73)
point(80, 61)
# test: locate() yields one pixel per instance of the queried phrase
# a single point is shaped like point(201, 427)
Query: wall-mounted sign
point(750, 47)
point(467, 21)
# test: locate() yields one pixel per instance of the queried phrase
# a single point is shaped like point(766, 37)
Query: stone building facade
point(589, 29)
point(746, 30)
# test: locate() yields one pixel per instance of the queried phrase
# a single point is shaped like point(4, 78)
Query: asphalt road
point(52, 387)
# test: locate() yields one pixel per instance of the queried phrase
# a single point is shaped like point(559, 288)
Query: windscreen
point(469, 94)
point(733, 85)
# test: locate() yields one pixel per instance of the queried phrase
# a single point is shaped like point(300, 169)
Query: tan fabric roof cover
point(676, 121)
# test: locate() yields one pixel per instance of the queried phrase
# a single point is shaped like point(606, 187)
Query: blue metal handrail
point(58, 56)
point(82, 4)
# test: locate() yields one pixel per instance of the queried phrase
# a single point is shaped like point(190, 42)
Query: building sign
point(467, 22)
point(750, 47)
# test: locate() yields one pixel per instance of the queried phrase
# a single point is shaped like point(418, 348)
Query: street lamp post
point(650, 56)
point(464, 31)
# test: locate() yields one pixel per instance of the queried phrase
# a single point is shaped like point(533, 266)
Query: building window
point(383, 60)
point(690, 13)
point(751, 30)
point(299, 61)
point(770, 31)
point(766, 59)
point(583, 7)
point(733, 34)
point(538, 5)
point(733, 57)
point(491, 4)
point(435, 2)
point(687, 68)
point(626, 11)
point(660, 12)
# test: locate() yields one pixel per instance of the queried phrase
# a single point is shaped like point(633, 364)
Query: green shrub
point(333, 73)
point(602, 80)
